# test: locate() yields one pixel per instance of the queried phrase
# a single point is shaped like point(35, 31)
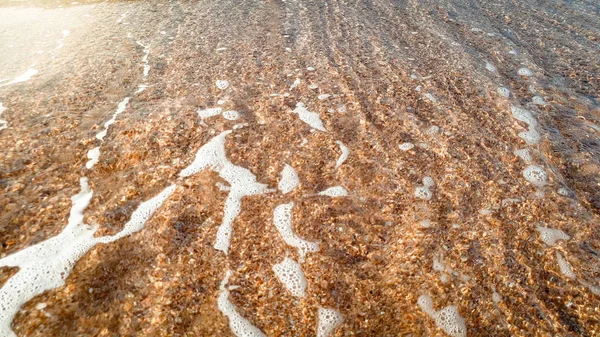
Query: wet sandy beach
point(299, 168)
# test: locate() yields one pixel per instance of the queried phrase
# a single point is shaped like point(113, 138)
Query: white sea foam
point(406, 146)
point(504, 92)
point(289, 179)
point(93, 156)
point(565, 267)
point(447, 319)
point(344, 155)
point(231, 115)
point(322, 97)
point(240, 326)
point(550, 235)
point(538, 100)
point(535, 175)
point(524, 154)
point(531, 136)
point(525, 72)
point(282, 218)
point(46, 265)
point(26, 76)
point(295, 84)
point(210, 112)
point(335, 191)
point(222, 84)
point(3, 123)
point(120, 108)
point(243, 183)
point(311, 118)
point(490, 67)
point(424, 192)
point(329, 321)
point(290, 274)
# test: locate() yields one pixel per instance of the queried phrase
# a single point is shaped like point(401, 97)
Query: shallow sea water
point(299, 168)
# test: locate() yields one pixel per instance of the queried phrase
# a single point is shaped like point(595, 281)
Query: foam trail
point(282, 218)
point(26, 76)
point(141, 215)
point(344, 155)
point(94, 154)
point(145, 59)
point(46, 265)
point(3, 123)
point(240, 326)
point(243, 183)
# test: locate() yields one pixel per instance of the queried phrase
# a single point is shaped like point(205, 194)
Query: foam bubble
point(447, 319)
point(329, 321)
point(240, 326)
point(310, 69)
point(406, 146)
point(490, 67)
point(243, 183)
point(531, 136)
point(565, 267)
point(308, 117)
point(210, 112)
point(336, 191)
point(313, 86)
point(504, 92)
point(323, 97)
point(550, 235)
point(523, 115)
point(282, 218)
point(535, 175)
point(525, 72)
point(222, 84)
point(431, 98)
point(291, 275)
point(343, 156)
point(289, 179)
point(231, 115)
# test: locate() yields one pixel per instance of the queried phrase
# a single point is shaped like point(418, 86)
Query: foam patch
point(26, 76)
point(240, 326)
point(289, 179)
point(290, 274)
point(535, 175)
point(323, 97)
point(406, 146)
point(525, 72)
point(93, 156)
point(3, 123)
point(565, 267)
point(308, 117)
point(335, 191)
point(343, 156)
point(210, 112)
point(424, 192)
point(550, 235)
point(295, 84)
point(282, 218)
point(447, 319)
point(231, 115)
point(524, 154)
point(504, 92)
point(329, 321)
point(243, 183)
point(222, 84)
